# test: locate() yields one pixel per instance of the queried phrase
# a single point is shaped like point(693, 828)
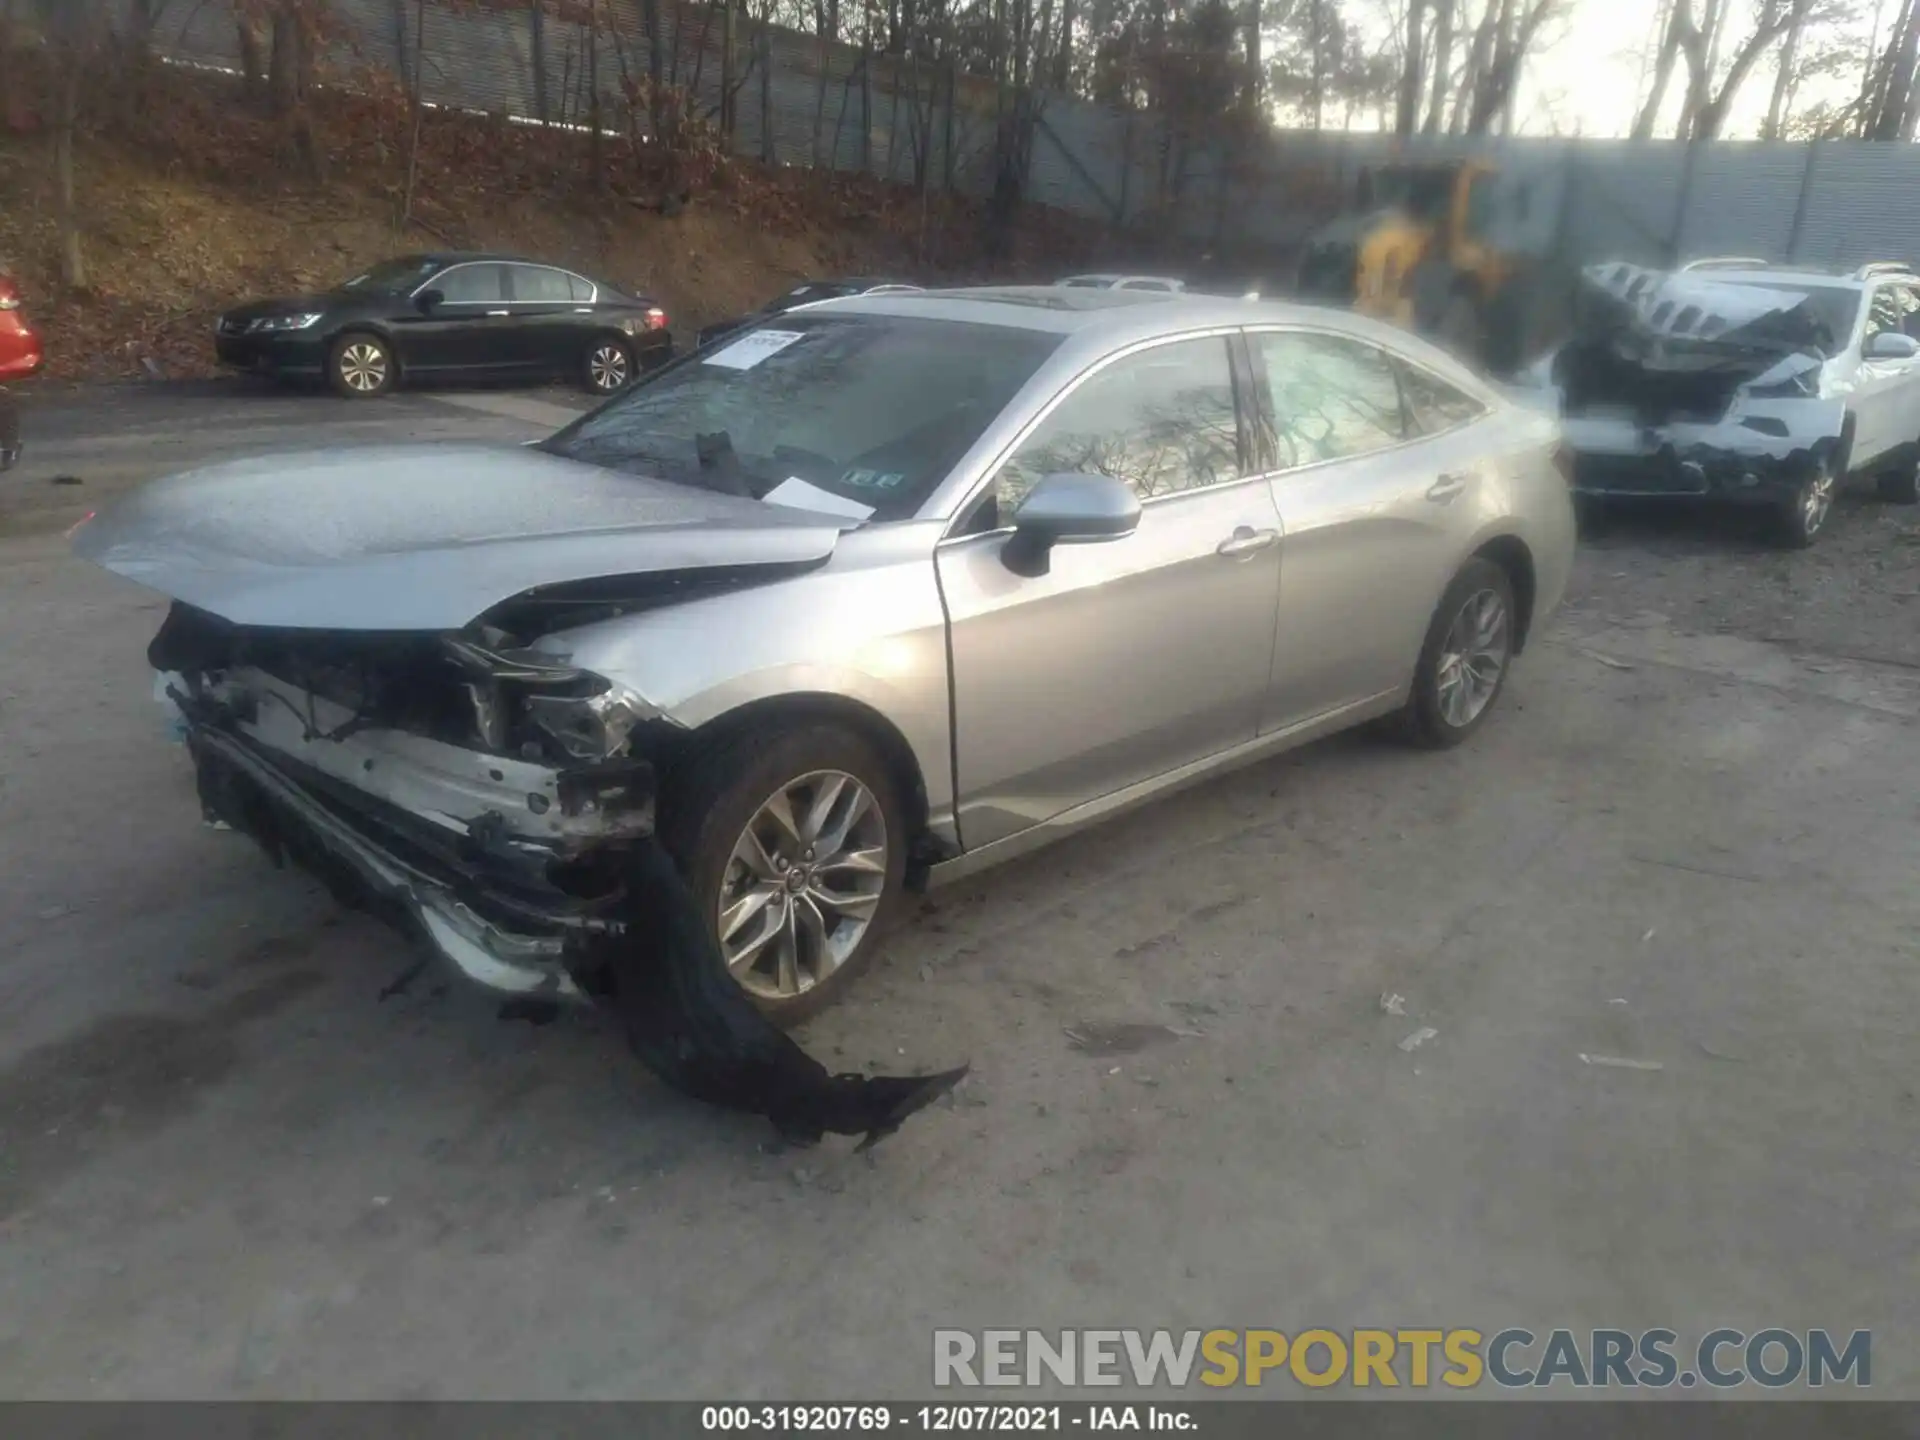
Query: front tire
point(1798, 520)
point(360, 366)
point(794, 842)
point(1464, 663)
point(609, 366)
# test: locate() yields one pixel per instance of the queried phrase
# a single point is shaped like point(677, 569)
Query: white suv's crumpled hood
point(422, 537)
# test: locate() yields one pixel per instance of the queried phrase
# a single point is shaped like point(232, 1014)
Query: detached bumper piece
point(488, 903)
point(490, 908)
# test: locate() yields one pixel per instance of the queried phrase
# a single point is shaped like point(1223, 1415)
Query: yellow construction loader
point(1447, 248)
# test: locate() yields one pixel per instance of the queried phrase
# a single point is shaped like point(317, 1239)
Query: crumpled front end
point(479, 798)
point(1680, 385)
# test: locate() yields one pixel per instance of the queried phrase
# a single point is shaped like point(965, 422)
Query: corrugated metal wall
point(1839, 204)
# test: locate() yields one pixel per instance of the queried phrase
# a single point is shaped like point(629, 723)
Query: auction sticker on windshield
point(749, 350)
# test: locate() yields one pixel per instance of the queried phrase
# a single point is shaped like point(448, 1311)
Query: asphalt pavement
point(1606, 1019)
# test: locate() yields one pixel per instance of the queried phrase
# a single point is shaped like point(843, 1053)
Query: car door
point(1377, 483)
point(467, 331)
point(550, 327)
point(1886, 407)
point(1129, 658)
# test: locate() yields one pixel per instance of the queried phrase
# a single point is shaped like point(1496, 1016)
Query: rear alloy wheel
point(1463, 665)
point(361, 367)
point(609, 366)
point(1802, 515)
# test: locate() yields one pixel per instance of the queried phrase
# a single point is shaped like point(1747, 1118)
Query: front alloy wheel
point(803, 885)
point(362, 368)
point(1803, 514)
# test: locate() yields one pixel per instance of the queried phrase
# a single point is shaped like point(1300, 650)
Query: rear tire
point(1464, 663)
point(609, 366)
point(823, 920)
point(360, 366)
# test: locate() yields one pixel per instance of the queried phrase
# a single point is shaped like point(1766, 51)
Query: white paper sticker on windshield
point(749, 350)
point(799, 495)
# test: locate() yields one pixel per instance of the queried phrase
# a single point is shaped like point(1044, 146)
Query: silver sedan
point(875, 594)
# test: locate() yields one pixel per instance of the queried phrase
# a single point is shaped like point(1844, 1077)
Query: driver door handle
point(1446, 487)
point(1245, 541)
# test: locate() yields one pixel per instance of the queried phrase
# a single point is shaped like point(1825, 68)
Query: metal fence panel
point(1598, 199)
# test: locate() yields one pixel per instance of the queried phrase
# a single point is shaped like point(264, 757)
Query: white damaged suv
point(1733, 381)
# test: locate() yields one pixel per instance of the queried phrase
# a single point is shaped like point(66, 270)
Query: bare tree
point(74, 31)
point(1412, 71)
point(1706, 105)
point(1785, 73)
point(1442, 63)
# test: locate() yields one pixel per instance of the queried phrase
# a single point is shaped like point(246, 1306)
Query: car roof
point(1061, 310)
point(1100, 320)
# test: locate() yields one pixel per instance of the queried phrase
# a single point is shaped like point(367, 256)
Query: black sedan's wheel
point(1463, 665)
point(610, 366)
point(360, 366)
point(1802, 515)
point(795, 842)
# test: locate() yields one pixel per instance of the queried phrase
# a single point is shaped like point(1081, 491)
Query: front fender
point(868, 628)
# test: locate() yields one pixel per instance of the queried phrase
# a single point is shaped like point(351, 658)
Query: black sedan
point(450, 317)
point(804, 293)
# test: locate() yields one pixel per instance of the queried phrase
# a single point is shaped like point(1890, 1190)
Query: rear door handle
point(493, 314)
point(1245, 541)
point(1446, 487)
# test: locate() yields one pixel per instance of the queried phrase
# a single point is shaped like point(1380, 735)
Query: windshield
point(392, 277)
point(1834, 308)
point(872, 410)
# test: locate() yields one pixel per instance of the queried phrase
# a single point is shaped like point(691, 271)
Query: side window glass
point(1432, 404)
point(1886, 312)
point(538, 285)
point(578, 290)
point(473, 284)
point(1332, 397)
point(1162, 420)
point(1909, 310)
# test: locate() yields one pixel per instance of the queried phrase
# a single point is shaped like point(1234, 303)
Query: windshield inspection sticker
point(797, 494)
point(749, 350)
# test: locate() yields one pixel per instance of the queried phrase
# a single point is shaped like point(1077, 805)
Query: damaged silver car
point(1736, 382)
point(872, 595)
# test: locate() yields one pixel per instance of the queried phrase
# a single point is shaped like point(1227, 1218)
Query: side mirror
point(428, 299)
point(1068, 510)
point(1892, 345)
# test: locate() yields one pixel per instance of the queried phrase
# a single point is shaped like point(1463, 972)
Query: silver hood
point(423, 537)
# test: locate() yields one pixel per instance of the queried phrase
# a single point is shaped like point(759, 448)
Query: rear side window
point(580, 291)
point(1333, 398)
point(1432, 404)
point(473, 284)
point(541, 286)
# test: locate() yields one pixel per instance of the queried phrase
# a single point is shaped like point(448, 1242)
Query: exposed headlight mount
point(587, 716)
